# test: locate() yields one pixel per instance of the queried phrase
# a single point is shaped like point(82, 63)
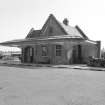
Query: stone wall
point(87, 49)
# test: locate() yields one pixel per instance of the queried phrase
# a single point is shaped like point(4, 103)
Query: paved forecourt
point(51, 86)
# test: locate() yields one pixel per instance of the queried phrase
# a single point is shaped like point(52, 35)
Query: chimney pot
point(65, 21)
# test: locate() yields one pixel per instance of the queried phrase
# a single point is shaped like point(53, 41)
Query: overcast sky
point(17, 17)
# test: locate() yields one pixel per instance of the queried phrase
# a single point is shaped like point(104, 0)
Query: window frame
point(44, 50)
point(58, 50)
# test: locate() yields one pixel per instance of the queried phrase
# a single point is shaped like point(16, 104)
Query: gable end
point(46, 25)
point(81, 32)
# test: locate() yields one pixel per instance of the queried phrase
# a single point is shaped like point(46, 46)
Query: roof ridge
point(51, 15)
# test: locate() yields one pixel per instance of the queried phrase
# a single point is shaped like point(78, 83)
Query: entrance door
point(77, 54)
point(29, 55)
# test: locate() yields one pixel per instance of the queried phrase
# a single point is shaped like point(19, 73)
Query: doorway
point(29, 55)
point(77, 54)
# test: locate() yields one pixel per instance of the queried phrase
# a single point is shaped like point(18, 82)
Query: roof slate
point(33, 33)
point(71, 31)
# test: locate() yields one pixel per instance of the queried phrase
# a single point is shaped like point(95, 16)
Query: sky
point(17, 17)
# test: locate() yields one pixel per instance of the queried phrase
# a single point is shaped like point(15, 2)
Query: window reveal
point(44, 51)
point(58, 50)
point(30, 51)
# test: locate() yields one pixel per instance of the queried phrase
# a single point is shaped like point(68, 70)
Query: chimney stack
point(65, 21)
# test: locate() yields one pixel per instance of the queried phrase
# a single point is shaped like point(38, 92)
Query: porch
point(69, 51)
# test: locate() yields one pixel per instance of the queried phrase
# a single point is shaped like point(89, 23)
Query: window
point(58, 50)
point(30, 51)
point(44, 51)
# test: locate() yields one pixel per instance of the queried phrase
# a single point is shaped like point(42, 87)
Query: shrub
point(96, 62)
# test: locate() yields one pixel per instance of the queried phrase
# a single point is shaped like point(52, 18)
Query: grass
point(51, 86)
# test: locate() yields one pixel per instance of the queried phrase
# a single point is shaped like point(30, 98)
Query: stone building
point(56, 43)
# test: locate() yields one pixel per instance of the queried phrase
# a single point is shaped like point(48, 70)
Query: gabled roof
point(81, 32)
point(67, 29)
point(53, 17)
point(71, 31)
point(33, 33)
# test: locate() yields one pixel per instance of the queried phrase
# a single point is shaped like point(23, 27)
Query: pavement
point(80, 67)
point(74, 66)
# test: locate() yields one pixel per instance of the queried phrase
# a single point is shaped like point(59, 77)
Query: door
point(29, 55)
point(77, 54)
